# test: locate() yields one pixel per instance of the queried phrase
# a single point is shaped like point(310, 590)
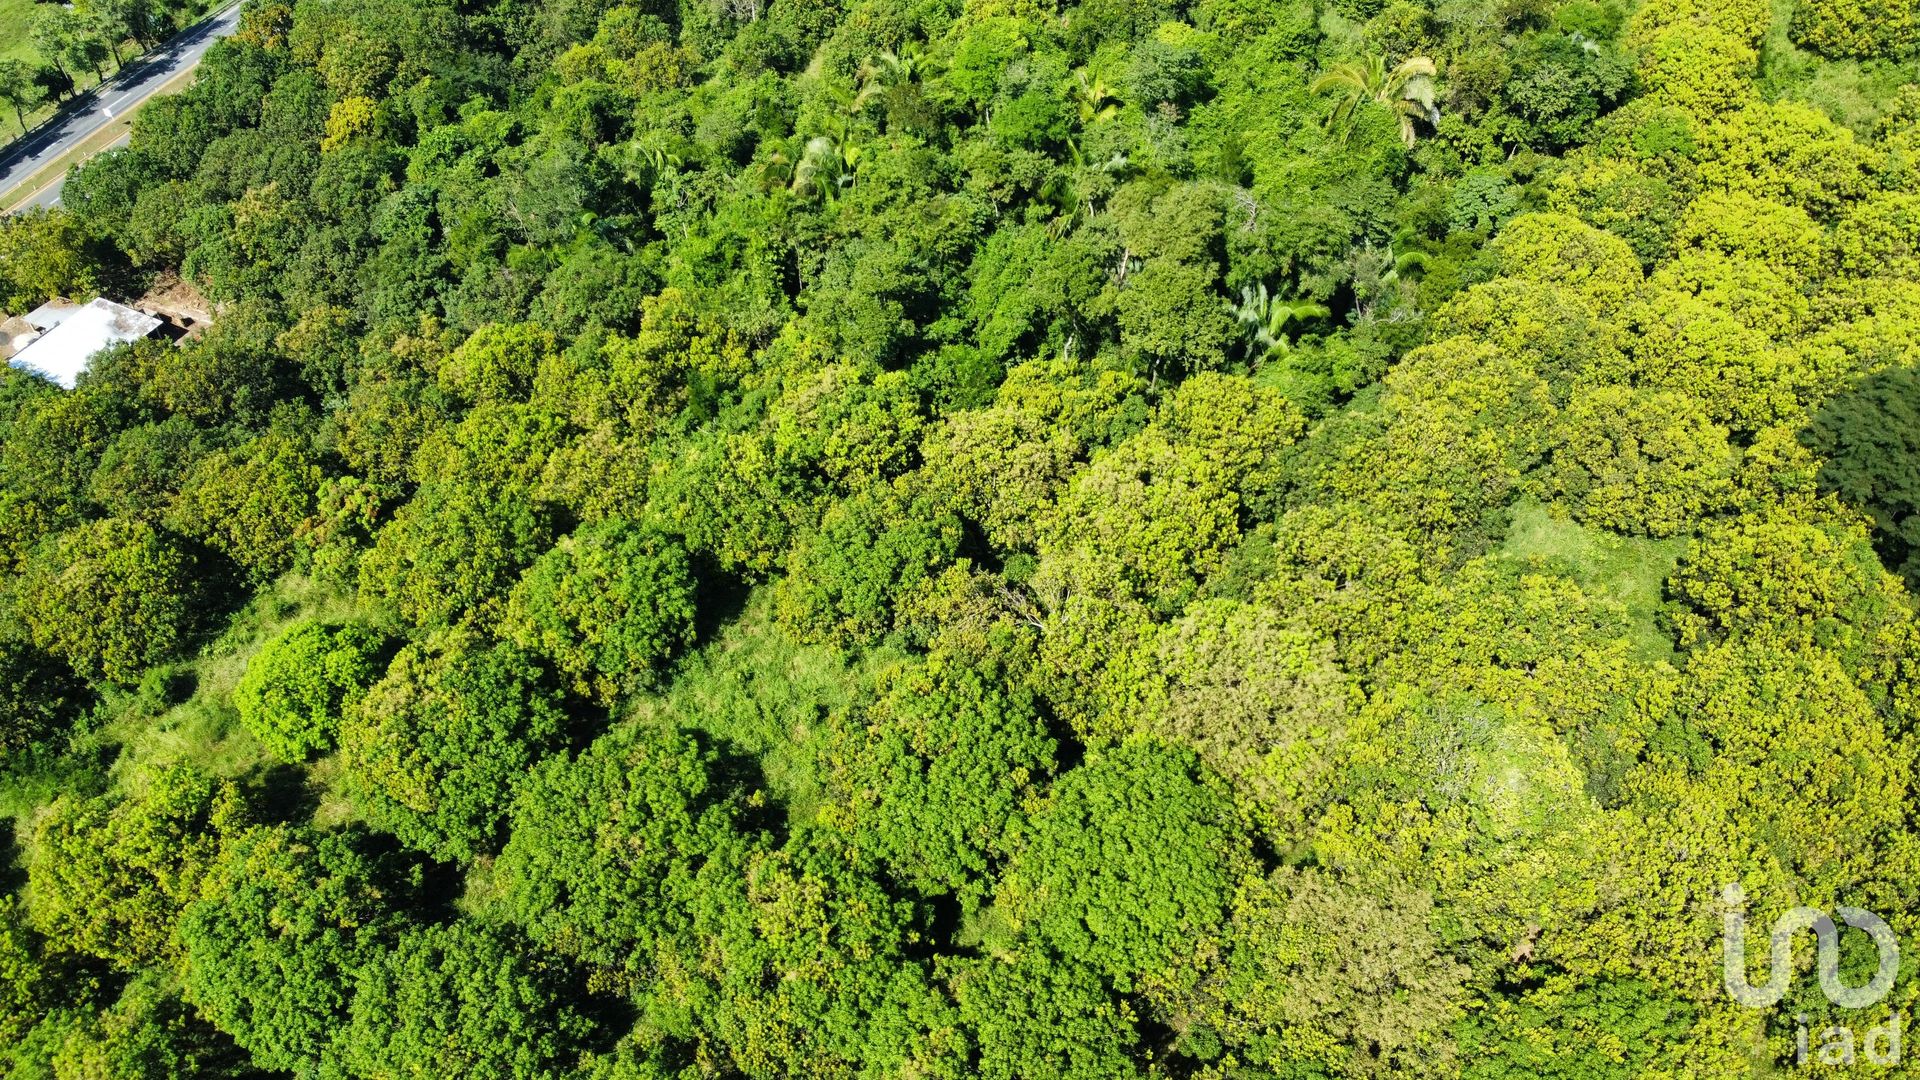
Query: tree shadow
point(280, 793)
point(221, 593)
point(738, 774)
point(13, 871)
point(424, 887)
point(1868, 438)
point(719, 598)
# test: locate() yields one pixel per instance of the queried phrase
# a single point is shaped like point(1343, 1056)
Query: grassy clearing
point(1631, 571)
point(764, 696)
point(182, 714)
point(16, 22)
point(198, 724)
point(1855, 93)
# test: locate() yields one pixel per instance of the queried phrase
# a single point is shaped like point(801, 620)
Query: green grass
point(767, 697)
point(30, 784)
point(16, 22)
point(1632, 571)
point(183, 713)
point(1855, 93)
point(204, 729)
point(763, 697)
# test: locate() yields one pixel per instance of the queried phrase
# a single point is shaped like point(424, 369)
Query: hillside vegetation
point(1229, 539)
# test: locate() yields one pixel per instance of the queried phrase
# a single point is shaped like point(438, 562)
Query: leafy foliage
point(108, 876)
point(609, 851)
point(608, 606)
point(432, 751)
point(112, 598)
point(941, 776)
point(300, 684)
point(270, 948)
point(459, 998)
point(1244, 539)
point(38, 697)
point(1134, 858)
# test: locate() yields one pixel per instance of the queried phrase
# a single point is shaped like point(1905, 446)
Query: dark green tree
point(1131, 864)
point(941, 772)
point(1866, 438)
point(433, 751)
point(608, 606)
point(283, 924)
point(610, 851)
point(110, 598)
point(460, 999)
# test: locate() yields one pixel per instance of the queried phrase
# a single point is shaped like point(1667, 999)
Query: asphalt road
point(128, 88)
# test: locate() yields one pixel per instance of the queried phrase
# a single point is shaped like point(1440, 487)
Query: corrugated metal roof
point(52, 313)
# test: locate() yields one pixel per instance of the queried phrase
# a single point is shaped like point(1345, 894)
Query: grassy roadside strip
point(47, 110)
point(16, 43)
point(25, 191)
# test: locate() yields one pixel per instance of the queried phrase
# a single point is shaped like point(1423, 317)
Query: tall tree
point(19, 86)
point(1407, 90)
point(55, 33)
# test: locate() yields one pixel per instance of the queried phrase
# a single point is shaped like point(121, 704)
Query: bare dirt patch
point(176, 300)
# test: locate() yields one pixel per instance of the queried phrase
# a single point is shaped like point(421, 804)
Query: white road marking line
point(190, 58)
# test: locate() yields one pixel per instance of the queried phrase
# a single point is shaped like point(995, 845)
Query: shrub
point(298, 685)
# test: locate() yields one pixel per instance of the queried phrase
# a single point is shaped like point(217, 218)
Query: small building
point(59, 339)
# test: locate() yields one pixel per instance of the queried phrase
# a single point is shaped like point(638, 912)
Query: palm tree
point(1380, 275)
point(644, 163)
point(1405, 264)
point(1070, 190)
point(826, 167)
point(773, 172)
point(892, 80)
point(890, 69)
point(1407, 90)
point(1265, 318)
point(1096, 100)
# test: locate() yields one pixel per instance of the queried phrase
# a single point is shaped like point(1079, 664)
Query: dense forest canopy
point(971, 538)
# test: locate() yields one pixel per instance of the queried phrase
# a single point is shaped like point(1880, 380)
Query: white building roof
point(74, 335)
